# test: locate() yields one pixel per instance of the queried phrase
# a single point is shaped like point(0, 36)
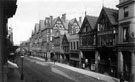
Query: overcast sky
point(30, 12)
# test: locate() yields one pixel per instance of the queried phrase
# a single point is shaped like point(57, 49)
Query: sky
point(30, 12)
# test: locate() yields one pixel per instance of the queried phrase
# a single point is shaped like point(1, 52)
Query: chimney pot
point(80, 19)
point(64, 17)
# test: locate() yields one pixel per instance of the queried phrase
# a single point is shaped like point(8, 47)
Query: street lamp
point(22, 56)
point(114, 33)
point(22, 75)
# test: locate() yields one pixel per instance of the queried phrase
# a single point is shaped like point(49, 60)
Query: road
point(38, 71)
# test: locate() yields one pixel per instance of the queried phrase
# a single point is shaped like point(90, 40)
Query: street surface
point(39, 71)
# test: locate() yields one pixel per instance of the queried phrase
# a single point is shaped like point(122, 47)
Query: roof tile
point(112, 15)
point(92, 20)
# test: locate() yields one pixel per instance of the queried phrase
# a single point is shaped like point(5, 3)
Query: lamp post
point(114, 33)
point(22, 75)
point(22, 56)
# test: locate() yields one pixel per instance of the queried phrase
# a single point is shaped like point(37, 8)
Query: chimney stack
point(80, 19)
point(64, 17)
point(51, 19)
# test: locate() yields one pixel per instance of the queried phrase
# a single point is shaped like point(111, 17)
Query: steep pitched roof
point(112, 15)
point(67, 36)
point(74, 37)
point(54, 21)
point(65, 23)
point(80, 24)
point(92, 20)
point(70, 24)
point(72, 21)
point(61, 38)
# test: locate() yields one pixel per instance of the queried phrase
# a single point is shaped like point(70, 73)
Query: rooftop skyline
point(30, 12)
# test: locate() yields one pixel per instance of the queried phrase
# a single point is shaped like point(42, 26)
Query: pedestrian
point(83, 65)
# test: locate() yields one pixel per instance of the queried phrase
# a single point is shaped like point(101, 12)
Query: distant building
point(58, 49)
point(74, 50)
point(73, 29)
point(65, 46)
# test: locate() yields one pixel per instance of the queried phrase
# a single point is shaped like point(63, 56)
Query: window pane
point(125, 34)
point(126, 12)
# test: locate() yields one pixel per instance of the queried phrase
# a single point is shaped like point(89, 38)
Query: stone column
point(120, 63)
point(132, 76)
point(97, 59)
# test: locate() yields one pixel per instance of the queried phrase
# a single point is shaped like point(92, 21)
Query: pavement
point(13, 73)
point(37, 72)
point(82, 71)
point(52, 72)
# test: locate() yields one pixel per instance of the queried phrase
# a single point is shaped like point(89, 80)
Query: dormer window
point(126, 12)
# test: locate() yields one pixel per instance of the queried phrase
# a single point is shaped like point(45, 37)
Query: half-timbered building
point(65, 45)
point(107, 26)
point(87, 35)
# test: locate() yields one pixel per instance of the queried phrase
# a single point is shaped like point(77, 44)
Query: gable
point(74, 26)
point(76, 23)
point(85, 26)
point(105, 20)
point(58, 24)
point(112, 15)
